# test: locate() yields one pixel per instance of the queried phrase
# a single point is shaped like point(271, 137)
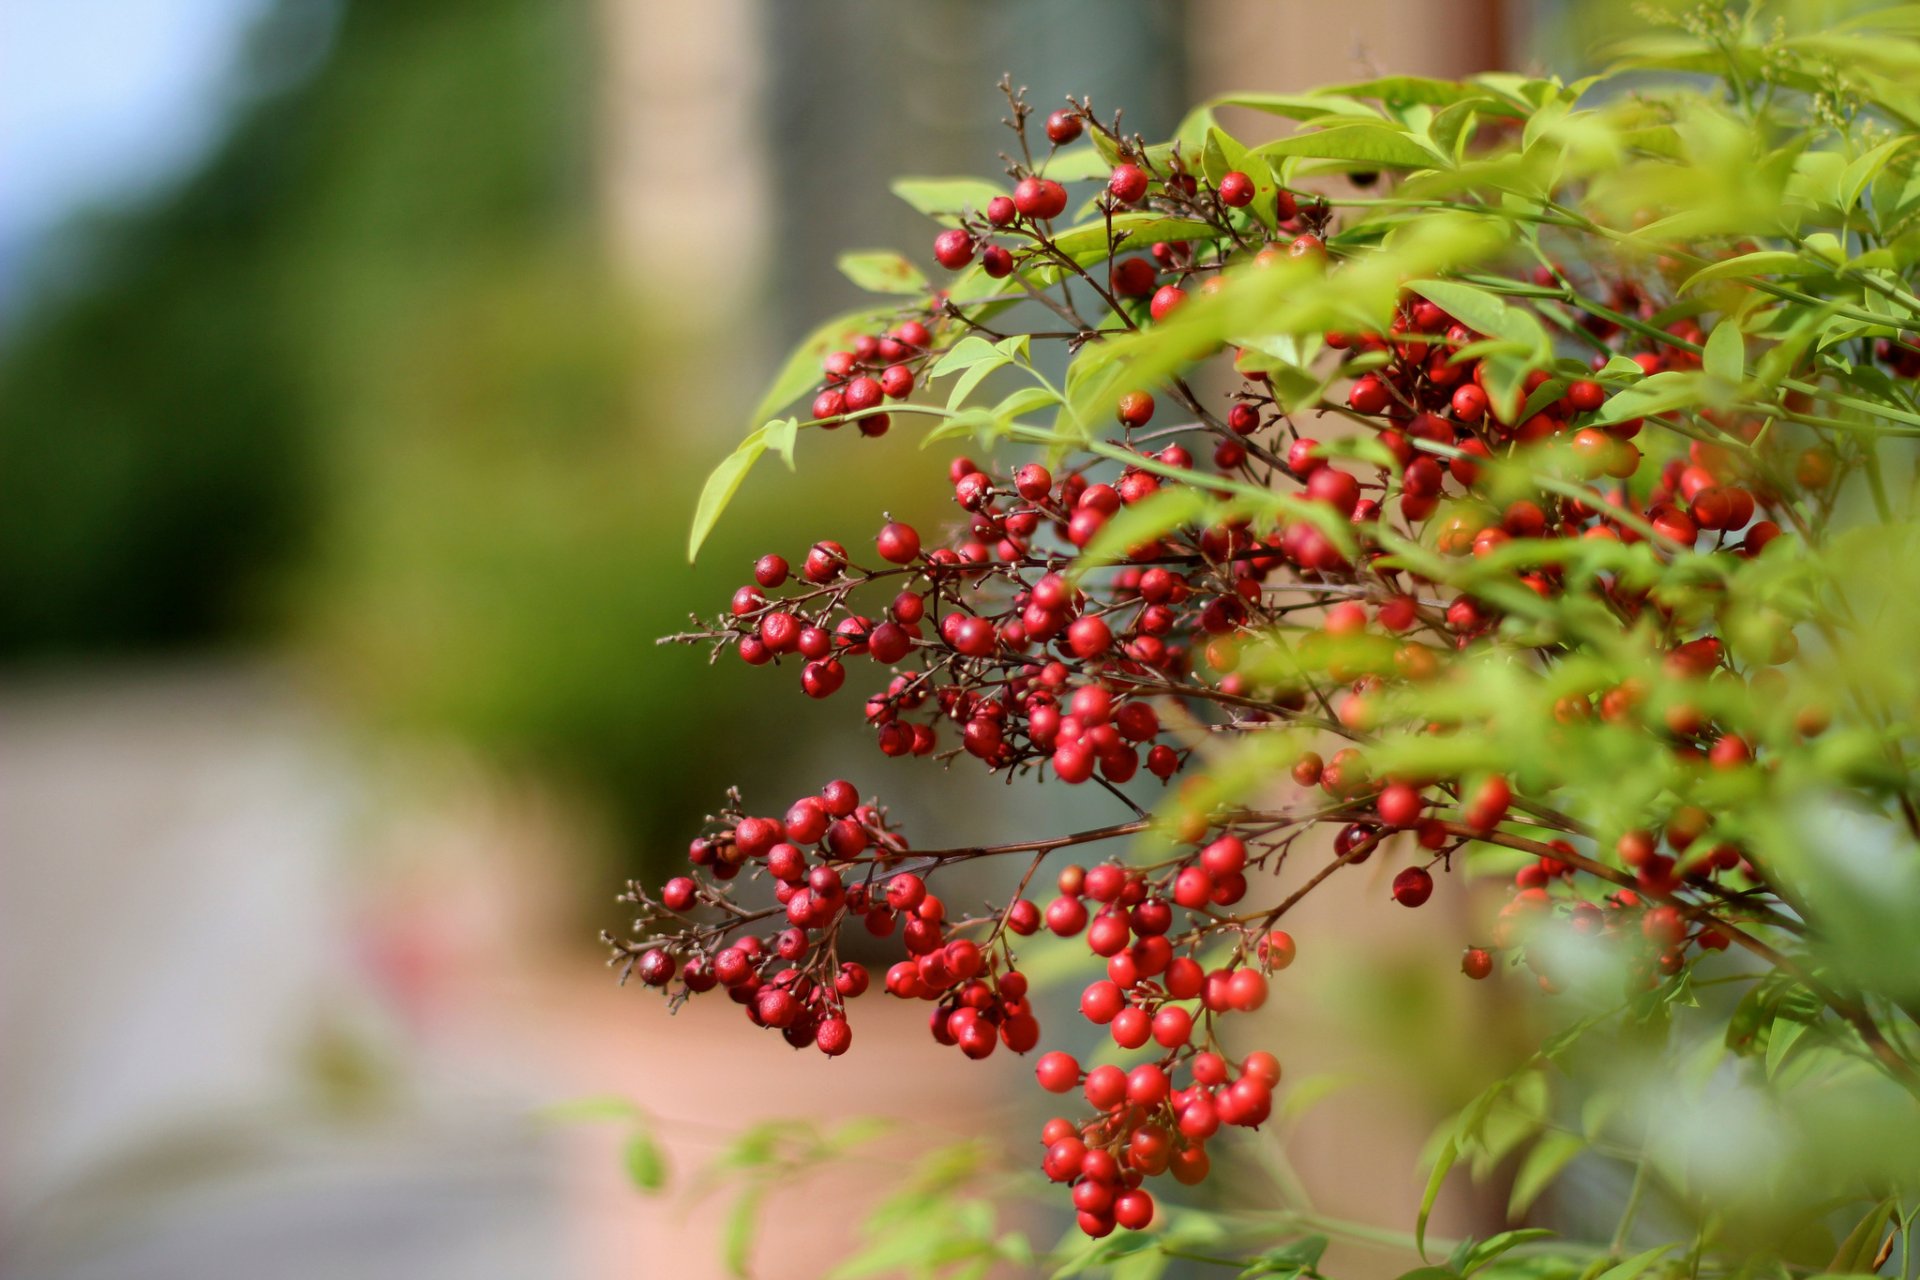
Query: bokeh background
point(359, 363)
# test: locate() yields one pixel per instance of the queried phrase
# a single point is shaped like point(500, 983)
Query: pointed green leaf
point(646, 1166)
point(1862, 1245)
point(802, 369)
point(1442, 1165)
point(1725, 356)
point(881, 271)
point(1378, 145)
point(1543, 1164)
point(720, 487)
point(944, 199)
point(780, 436)
point(1169, 508)
point(1766, 262)
point(743, 1221)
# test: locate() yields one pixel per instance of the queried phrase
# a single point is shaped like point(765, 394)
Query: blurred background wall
point(359, 362)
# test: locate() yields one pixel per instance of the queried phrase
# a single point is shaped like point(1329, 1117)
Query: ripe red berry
point(1127, 183)
point(1399, 805)
point(1172, 1026)
point(1033, 482)
point(898, 543)
point(1106, 1087)
point(656, 968)
point(678, 893)
point(1066, 916)
point(1089, 637)
point(1476, 963)
point(1469, 403)
point(953, 248)
point(770, 571)
point(1133, 1210)
point(1165, 299)
point(1057, 1072)
point(1001, 211)
point(1236, 189)
point(1412, 886)
point(1134, 409)
point(1063, 126)
point(1040, 198)
point(834, 1037)
point(1133, 277)
point(1369, 395)
point(896, 380)
point(1246, 990)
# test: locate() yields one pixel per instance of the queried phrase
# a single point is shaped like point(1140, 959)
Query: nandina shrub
point(1504, 479)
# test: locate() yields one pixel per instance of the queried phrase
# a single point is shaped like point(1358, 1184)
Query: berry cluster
point(1407, 549)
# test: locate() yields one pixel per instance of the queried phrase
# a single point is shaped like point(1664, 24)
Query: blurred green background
point(370, 383)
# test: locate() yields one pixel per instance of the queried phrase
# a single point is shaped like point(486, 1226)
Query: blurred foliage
point(368, 376)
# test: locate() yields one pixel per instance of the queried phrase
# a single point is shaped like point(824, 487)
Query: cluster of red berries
point(983, 630)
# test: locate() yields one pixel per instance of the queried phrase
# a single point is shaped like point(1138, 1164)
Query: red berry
point(1133, 1210)
point(1134, 409)
point(1063, 126)
point(1106, 1087)
point(1057, 1072)
point(1412, 886)
point(1127, 183)
point(953, 248)
point(656, 968)
point(1040, 198)
point(1165, 299)
point(1399, 805)
point(834, 1037)
point(1236, 189)
point(1476, 963)
point(1089, 637)
point(1171, 1026)
point(899, 543)
point(1033, 482)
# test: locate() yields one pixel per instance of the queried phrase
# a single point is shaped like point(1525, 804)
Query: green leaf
point(720, 487)
point(1658, 393)
point(1401, 90)
point(1785, 1033)
point(1168, 508)
point(1368, 144)
point(1298, 106)
point(1725, 356)
point(1543, 1164)
point(646, 1166)
point(602, 1108)
point(780, 436)
point(1479, 1255)
point(944, 199)
point(1766, 262)
point(1634, 1266)
point(881, 271)
point(1864, 169)
point(1025, 400)
point(973, 375)
point(1484, 312)
point(1442, 1165)
point(802, 369)
point(743, 1221)
point(1862, 1245)
point(968, 351)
